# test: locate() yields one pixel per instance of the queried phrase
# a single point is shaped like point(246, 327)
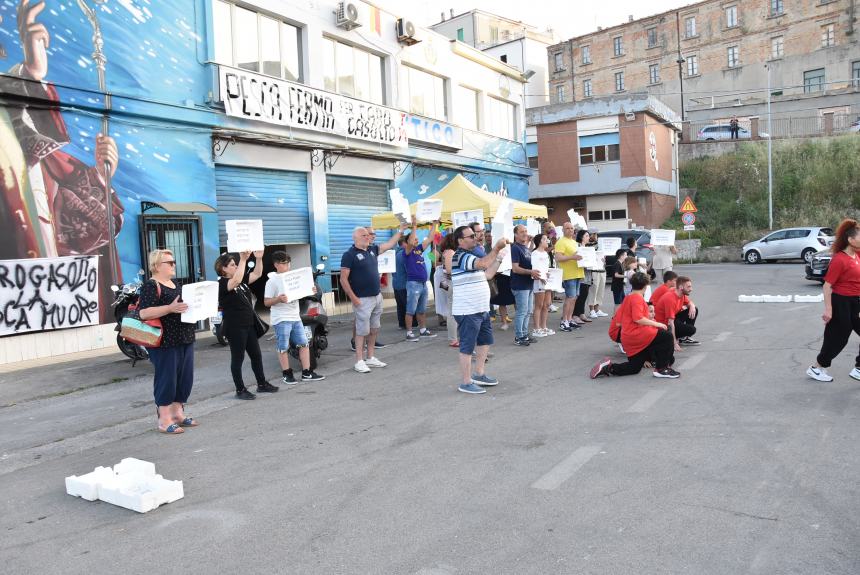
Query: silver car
point(788, 244)
point(724, 132)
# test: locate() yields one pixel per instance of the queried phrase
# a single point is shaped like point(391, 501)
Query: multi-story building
point(614, 160)
point(710, 60)
point(301, 114)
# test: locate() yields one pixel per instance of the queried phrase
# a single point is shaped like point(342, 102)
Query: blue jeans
point(525, 302)
point(416, 297)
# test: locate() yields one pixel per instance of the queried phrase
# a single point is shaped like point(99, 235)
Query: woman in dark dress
point(174, 358)
point(504, 296)
point(234, 299)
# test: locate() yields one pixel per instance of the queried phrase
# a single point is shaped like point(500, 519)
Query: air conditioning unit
point(406, 32)
point(346, 16)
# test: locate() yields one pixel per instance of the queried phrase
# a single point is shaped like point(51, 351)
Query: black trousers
point(846, 318)
point(579, 306)
point(244, 340)
point(684, 326)
point(400, 299)
point(661, 350)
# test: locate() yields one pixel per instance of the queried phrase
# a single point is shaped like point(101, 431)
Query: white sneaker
point(602, 314)
point(593, 314)
point(553, 308)
point(855, 373)
point(820, 374)
point(538, 333)
point(361, 367)
point(373, 362)
point(548, 331)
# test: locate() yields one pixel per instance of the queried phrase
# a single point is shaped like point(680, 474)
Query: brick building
point(614, 160)
point(710, 60)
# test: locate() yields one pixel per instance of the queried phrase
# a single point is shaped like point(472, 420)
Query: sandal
point(172, 429)
point(188, 422)
point(454, 344)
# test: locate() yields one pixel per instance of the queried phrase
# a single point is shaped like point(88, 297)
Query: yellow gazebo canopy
point(460, 195)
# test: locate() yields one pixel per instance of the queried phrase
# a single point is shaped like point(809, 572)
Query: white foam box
point(750, 298)
point(809, 298)
point(87, 486)
point(777, 298)
point(140, 492)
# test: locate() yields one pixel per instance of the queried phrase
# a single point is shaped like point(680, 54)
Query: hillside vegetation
point(815, 183)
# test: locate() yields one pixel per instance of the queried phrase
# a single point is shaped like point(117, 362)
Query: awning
point(173, 207)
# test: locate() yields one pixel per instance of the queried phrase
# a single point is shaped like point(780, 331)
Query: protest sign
point(466, 217)
point(553, 280)
point(244, 235)
point(386, 262)
point(589, 257)
point(202, 300)
point(48, 293)
point(298, 283)
point(662, 237)
point(532, 227)
point(428, 211)
point(400, 206)
point(608, 245)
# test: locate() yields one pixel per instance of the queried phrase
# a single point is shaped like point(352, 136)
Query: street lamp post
point(769, 156)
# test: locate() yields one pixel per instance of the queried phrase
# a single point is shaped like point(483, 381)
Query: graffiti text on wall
point(48, 293)
point(256, 97)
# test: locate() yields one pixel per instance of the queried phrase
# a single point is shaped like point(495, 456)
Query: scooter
point(125, 301)
point(314, 320)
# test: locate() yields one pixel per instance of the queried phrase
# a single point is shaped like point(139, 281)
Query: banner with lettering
point(255, 97)
point(48, 293)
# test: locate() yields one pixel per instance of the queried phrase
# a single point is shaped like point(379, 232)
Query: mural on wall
point(74, 173)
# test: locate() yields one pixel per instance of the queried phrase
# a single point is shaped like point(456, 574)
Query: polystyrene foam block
point(777, 298)
point(140, 492)
point(87, 486)
point(750, 298)
point(132, 465)
point(809, 298)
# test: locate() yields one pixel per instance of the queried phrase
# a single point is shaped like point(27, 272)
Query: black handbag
point(261, 328)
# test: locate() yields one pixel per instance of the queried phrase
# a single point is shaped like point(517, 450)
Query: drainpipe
point(680, 67)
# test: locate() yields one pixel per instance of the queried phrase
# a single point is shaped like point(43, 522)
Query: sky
point(569, 18)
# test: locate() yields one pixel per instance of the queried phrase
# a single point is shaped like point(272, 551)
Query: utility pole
point(769, 156)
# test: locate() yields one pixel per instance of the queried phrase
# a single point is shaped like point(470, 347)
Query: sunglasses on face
point(169, 262)
point(467, 237)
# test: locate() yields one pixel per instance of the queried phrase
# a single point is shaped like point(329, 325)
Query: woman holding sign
point(234, 298)
point(543, 297)
point(173, 359)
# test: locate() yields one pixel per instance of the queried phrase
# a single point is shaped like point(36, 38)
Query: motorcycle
point(314, 320)
point(125, 301)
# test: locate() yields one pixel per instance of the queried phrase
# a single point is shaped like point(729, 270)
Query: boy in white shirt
point(287, 322)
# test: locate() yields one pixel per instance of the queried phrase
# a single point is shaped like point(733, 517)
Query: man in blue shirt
point(478, 228)
point(416, 283)
point(522, 284)
point(359, 278)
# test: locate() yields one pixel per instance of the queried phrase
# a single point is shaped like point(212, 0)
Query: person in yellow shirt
point(571, 274)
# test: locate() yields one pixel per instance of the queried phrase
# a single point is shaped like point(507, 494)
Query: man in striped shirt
point(471, 306)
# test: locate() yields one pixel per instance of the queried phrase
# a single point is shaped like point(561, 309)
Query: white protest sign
point(532, 227)
point(48, 293)
point(428, 211)
point(298, 283)
point(608, 245)
point(244, 235)
point(599, 261)
point(387, 262)
point(559, 232)
point(662, 237)
point(466, 217)
point(400, 206)
point(502, 230)
point(506, 264)
point(202, 300)
point(589, 257)
point(553, 280)
point(577, 220)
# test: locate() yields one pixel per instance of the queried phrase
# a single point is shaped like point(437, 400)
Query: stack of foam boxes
point(131, 483)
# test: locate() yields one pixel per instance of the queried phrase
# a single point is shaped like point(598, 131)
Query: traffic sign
point(689, 228)
point(688, 205)
point(688, 218)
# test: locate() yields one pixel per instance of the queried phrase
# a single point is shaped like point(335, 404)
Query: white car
point(724, 132)
point(787, 244)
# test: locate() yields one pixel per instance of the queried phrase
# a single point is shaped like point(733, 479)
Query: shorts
point(474, 329)
point(367, 314)
point(416, 297)
point(571, 287)
point(288, 332)
point(539, 286)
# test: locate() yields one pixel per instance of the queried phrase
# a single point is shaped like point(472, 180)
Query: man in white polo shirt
point(471, 306)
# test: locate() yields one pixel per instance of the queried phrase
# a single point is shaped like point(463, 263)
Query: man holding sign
point(572, 274)
point(416, 283)
point(287, 322)
point(359, 279)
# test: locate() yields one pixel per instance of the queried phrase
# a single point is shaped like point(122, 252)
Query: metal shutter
point(278, 198)
point(352, 202)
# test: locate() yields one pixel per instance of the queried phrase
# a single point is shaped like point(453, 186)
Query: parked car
point(855, 127)
point(643, 245)
point(788, 244)
point(816, 268)
point(724, 132)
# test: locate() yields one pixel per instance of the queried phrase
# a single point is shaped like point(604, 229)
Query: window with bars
point(732, 57)
point(619, 81)
point(776, 47)
point(692, 65)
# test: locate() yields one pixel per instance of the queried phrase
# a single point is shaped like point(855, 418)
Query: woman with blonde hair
point(841, 301)
point(174, 358)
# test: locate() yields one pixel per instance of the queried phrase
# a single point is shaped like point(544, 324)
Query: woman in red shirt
point(643, 338)
point(841, 301)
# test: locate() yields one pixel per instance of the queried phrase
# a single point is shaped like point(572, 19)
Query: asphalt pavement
point(743, 465)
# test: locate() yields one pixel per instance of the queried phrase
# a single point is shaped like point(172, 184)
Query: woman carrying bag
point(240, 319)
point(173, 359)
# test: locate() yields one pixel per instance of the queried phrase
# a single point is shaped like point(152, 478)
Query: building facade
point(613, 160)
point(710, 61)
point(302, 115)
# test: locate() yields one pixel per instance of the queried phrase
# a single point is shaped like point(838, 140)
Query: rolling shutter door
point(351, 203)
point(278, 198)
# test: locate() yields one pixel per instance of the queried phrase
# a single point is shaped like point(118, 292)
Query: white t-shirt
point(281, 311)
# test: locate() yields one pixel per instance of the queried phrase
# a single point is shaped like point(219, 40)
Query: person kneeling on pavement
point(471, 306)
point(643, 338)
point(677, 310)
point(287, 321)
